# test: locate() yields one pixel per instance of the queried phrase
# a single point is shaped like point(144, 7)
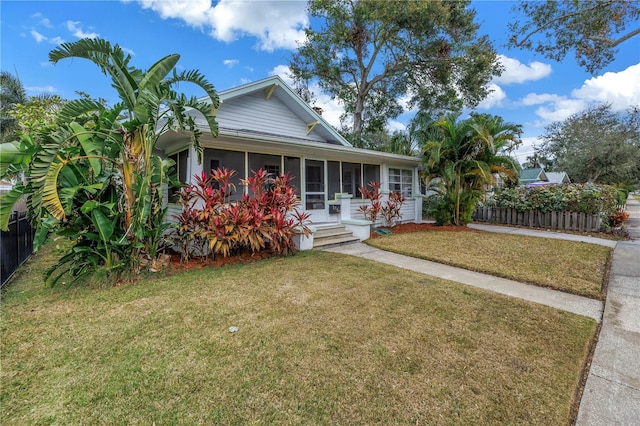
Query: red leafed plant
point(390, 211)
point(266, 218)
point(618, 217)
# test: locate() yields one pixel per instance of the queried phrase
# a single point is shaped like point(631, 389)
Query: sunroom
point(265, 125)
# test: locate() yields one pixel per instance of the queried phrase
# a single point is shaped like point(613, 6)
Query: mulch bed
point(197, 262)
point(404, 228)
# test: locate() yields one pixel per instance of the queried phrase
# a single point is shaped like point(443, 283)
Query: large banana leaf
point(11, 154)
point(78, 107)
point(90, 148)
point(102, 223)
point(50, 197)
point(7, 201)
point(111, 60)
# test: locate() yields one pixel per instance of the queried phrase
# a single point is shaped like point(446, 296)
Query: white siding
point(173, 210)
point(255, 113)
point(407, 210)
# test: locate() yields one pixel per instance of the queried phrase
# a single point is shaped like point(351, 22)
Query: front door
point(315, 192)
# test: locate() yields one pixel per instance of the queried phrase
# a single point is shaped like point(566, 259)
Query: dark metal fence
point(16, 245)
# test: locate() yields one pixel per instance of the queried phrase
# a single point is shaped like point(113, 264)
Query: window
point(182, 160)
point(401, 180)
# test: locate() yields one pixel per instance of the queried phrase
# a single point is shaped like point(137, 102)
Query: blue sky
point(235, 42)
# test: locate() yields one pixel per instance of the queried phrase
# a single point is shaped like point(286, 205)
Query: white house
point(265, 124)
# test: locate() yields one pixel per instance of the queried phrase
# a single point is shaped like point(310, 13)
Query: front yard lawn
point(568, 266)
point(322, 338)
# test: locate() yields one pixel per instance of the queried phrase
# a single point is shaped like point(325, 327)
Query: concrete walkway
point(569, 302)
point(612, 391)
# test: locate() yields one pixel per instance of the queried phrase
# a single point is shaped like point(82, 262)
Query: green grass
point(323, 339)
point(568, 266)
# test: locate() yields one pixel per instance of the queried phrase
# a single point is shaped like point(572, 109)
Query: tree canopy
point(370, 54)
point(595, 145)
point(592, 28)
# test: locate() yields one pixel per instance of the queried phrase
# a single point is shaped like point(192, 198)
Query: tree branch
point(560, 18)
point(613, 43)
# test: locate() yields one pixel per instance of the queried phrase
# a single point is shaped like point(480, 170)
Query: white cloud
point(396, 126)
point(494, 99)
point(231, 62)
point(275, 24)
point(620, 89)
point(527, 148)
point(517, 72)
point(77, 31)
point(554, 107)
point(56, 40)
point(127, 50)
point(40, 89)
point(37, 36)
point(284, 73)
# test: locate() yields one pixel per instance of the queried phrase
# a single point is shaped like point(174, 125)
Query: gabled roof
point(533, 175)
point(558, 177)
point(274, 86)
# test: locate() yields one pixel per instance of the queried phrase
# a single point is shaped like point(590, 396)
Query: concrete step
point(334, 241)
point(334, 231)
point(331, 236)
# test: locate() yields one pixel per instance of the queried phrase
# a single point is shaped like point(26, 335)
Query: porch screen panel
point(292, 167)
point(314, 177)
point(232, 160)
point(333, 178)
point(270, 163)
point(371, 173)
point(352, 179)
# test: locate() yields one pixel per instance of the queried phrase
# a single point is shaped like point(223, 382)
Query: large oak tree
point(369, 54)
point(595, 145)
point(593, 29)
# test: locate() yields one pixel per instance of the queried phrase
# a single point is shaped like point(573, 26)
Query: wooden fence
point(569, 221)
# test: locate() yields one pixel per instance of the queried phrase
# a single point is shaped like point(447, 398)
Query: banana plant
point(149, 107)
point(105, 155)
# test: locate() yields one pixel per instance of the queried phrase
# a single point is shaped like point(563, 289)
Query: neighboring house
point(533, 175)
point(558, 178)
point(266, 125)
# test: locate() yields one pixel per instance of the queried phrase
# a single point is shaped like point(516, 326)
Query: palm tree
point(500, 139)
point(11, 93)
point(463, 157)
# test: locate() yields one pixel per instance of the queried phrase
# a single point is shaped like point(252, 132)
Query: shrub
point(390, 211)
point(265, 218)
point(584, 198)
point(430, 205)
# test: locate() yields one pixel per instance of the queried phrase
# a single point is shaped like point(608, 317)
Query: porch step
point(331, 236)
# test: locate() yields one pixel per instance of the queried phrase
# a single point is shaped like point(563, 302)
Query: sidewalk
point(612, 391)
point(568, 302)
